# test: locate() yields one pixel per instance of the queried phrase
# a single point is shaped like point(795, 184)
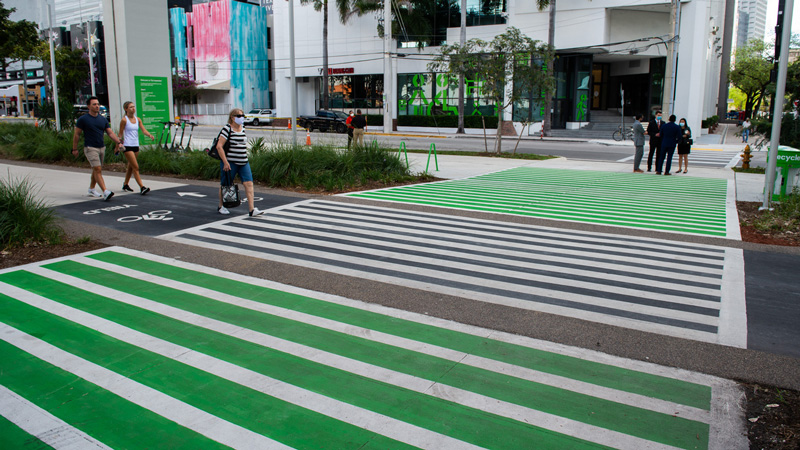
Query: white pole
point(777, 115)
point(50, 14)
point(292, 72)
point(91, 57)
point(387, 66)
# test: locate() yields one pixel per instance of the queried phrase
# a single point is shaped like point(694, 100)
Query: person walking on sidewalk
point(349, 123)
point(745, 130)
point(670, 136)
point(234, 160)
point(684, 147)
point(653, 130)
point(638, 143)
point(129, 131)
point(358, 123)
point(93, 126)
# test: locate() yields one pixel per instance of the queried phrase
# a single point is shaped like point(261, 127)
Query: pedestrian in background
point(670, 136)
point(129, 132)
point(93, 126)
point(349, 123)
point(638, 143)
point(234, 160)
point(745, 130)
point(653, 130)
point(359, 123)
point(684, 146)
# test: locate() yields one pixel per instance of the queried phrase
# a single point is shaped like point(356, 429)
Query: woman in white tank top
point(129, 132)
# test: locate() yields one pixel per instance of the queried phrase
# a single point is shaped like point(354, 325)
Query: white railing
point(206, 109)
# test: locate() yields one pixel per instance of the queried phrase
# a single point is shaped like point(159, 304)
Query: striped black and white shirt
point(237, 151)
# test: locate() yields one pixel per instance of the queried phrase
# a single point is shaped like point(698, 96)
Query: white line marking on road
point(44, 426)
point(733, 307)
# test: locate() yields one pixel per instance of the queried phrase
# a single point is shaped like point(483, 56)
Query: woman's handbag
point(230, 191)
point(212, 151)
point(690, 141)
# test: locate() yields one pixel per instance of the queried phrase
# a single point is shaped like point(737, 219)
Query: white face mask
point(239, 120)
point(658, 118)
point(683, 124)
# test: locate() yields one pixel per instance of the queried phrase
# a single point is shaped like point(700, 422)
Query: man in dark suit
point(670, 136)
point(653, 128)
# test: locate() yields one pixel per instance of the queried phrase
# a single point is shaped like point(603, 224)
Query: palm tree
point(344, 8)
point(551, 38)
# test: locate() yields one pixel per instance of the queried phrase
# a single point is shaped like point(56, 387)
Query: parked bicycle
point(623, 134)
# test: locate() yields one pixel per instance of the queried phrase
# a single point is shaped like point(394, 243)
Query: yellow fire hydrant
point(746, 157)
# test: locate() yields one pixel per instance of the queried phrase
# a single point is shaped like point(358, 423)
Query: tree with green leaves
point(73, 72)
point(184, 89)
point(21, 47)
point(751, 73)
point(510, 66)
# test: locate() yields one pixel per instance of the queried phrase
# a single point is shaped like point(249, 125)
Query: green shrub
point(157, 160)
point(23, 218)
point(198, 165)
point(784, 217)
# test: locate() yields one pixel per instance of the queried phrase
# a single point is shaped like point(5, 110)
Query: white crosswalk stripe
point(653, 285)
point(705, 158)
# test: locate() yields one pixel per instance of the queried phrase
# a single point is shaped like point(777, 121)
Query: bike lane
point(200, 357)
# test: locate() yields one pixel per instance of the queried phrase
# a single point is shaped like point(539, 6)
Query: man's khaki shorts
point(95, 155)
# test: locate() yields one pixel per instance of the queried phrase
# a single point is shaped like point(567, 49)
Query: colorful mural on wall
point(436, 94)
point(177, 26)
point(225, 40)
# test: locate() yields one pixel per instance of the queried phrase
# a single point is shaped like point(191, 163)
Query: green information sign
point(152, 104)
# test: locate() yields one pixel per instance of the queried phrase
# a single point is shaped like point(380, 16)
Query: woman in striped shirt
point(234, 160)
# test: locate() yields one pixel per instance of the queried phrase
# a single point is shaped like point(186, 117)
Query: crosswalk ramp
point(121, 349)
point(679, 289)
point(691, 205)
point(701, 157)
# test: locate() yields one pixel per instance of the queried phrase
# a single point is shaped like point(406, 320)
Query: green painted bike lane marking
point(568, 203)
point(222, 398)
point(12, 436)
point(664, 388)
point(547, 214)
point(606, 414)
point(94, 410)
point(435, 414)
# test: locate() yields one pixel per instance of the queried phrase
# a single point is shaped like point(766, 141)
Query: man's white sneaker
point(256, 212)
point(95, 193)
point(107, 195)
point(223, 210)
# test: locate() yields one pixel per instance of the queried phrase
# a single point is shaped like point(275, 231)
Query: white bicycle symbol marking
point(160, 214)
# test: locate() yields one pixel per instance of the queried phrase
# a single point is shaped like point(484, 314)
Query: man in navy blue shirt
point(670, 135)
point(93, 126)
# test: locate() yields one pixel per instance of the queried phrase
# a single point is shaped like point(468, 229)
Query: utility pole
point(387, 66)
point(780, 93)
point(725, 64)
point(672, 58)
point(50, 14)
point(773, 74)
point(461, 84)
point(292, 78)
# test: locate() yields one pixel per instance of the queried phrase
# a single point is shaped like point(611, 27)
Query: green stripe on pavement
point(685, 204)
point(97, 412)
point(626, 419)
point(613, 377)
point(263, 414)
point(12, 436)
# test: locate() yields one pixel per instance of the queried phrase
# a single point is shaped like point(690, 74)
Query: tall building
point(751, 21)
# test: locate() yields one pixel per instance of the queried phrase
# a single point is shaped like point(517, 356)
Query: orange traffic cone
point(36, 123)
point(289, 126)
point(308, 137)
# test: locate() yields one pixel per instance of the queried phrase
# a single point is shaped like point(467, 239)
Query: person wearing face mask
point(234, 160)
point(684, 147)
point(654, 131)
point(349, 124)
point(638, 143)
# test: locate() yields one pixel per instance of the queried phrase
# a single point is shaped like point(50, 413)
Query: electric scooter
point(191, 130)
point(164, 134)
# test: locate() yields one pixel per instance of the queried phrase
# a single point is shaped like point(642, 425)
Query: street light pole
point(50, 14)
point(90, 42)
point(292, 73)
point(387, 66)
point(777, 116)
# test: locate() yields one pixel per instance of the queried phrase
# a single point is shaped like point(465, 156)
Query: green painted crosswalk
point(197, 358)
point(675, 204)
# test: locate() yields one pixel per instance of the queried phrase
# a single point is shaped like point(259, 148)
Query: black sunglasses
point(240, 115)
